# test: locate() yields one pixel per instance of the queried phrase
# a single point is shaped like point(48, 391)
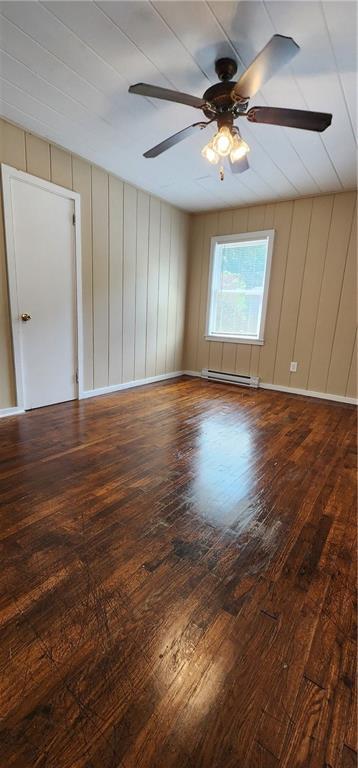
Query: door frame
point(7, 174)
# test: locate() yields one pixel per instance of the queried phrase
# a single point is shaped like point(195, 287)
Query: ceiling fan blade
point(240, 166)
point(291, 118)
point(155, 92)
point(175, 139)
point(278, 52)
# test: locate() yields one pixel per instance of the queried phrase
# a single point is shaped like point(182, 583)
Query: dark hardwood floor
point(178, 581)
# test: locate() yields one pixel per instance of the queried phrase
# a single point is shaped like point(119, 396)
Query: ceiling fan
point(228, 100)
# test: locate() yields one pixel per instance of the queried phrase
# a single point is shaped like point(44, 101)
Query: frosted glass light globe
point(240, 149)
point(209, 153)
point(223, 141)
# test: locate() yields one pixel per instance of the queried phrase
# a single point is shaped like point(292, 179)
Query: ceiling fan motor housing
point(220, 95)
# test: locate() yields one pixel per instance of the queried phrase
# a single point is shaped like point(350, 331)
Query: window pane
point(238, 286)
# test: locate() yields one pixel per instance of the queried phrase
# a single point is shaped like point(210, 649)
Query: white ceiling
point(65, 68)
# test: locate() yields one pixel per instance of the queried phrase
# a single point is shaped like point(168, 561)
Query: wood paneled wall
point(311, 315)
point(134, 254)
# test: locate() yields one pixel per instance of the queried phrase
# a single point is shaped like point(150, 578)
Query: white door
point(44, 250)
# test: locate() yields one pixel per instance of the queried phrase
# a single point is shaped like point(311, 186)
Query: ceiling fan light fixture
point(223, 141)
point(228, 100)
point(239, 150)
point(209, 153)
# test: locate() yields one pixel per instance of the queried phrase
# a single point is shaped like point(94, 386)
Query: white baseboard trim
point(295, 391)
point(310, 393)
point(127, 385)
point(192, 373)
point(15, 411)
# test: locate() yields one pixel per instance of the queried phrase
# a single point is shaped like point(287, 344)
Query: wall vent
point(230, 378)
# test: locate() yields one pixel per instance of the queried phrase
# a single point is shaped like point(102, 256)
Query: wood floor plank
point(178, 581)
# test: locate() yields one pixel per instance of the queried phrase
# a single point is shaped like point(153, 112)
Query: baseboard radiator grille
point(230, 378)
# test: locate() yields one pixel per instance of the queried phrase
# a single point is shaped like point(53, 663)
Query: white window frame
point(265, 234)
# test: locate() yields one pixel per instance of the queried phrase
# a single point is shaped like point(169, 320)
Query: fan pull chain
point(221, 173)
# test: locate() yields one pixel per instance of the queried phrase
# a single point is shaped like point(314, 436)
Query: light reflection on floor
point(222, 477)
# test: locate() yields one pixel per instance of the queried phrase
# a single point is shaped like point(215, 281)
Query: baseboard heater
point(230, 378)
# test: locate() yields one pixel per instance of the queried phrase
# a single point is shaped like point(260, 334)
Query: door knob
point(25, 317)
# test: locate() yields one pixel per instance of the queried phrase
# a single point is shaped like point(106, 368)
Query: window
point(238, 286)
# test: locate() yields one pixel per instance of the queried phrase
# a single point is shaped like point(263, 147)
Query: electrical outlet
point(293, 367)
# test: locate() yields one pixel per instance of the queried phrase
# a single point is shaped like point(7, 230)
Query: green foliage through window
point(238, 286)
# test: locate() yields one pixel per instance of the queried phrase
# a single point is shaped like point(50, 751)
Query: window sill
point(234, 339)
